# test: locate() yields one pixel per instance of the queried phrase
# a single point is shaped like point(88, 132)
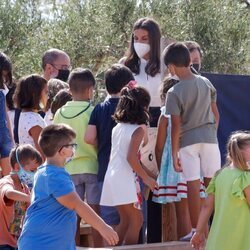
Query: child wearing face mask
point(15, 194)
point(29, 97)
point(83, 165)
point(50, 221)
point(5, 127)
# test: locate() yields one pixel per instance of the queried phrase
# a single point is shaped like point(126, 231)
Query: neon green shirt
point(76, 114)
point(230, 229)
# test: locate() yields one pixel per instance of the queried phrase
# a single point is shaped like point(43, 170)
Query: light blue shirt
point(48, 224)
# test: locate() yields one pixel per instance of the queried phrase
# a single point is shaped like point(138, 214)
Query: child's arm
point(34, 133)
point(175, 136)
point(15, 195)
point(215, 112)
point(73, 201)
point(90, 136)
point(133, 160)
point(161, 139)
point(247, 194)
point(206, 211)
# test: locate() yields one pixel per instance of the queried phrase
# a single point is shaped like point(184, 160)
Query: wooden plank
point(155, 246)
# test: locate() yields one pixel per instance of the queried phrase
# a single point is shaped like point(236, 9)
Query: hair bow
point(132, 84)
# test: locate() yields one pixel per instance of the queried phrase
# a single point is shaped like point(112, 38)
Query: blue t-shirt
point(48, 224)
point(101, 118)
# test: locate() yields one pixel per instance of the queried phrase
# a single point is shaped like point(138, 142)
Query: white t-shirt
point(27, 121)
point(151, 84)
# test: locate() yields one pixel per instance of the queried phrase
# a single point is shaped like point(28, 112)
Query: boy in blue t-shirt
point(50, 220)
point(100, 128)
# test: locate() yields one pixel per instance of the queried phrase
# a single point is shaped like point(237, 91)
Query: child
point(194, 117)
point(31, 92)
point(50, 222)
point(83, 166)
point(100, 128)
point(229, 197)
point(121, 187)
point(172, 186)
point(54, 86)
point(14, 193)
point(5, 127)
point(60, 99)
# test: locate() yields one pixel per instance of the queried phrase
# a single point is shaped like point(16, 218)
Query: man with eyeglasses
point(56, 64)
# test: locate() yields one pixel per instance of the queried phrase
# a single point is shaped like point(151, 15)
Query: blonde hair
point(237, 142)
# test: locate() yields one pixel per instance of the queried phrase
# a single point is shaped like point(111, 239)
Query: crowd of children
point(74, 161)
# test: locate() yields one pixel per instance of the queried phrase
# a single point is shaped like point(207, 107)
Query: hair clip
point(132, 84)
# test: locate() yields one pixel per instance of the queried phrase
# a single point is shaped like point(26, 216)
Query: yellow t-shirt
point(76, 114)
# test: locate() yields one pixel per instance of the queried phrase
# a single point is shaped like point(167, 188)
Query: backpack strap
point(16, 124)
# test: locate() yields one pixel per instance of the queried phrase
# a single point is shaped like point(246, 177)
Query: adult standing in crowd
point(56, 64)
point(143, 59)
point(195, 54)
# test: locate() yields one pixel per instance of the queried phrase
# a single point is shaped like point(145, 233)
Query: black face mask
point(63, 74)
point(196, 66)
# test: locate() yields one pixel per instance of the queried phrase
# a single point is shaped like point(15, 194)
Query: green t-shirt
point(191, 100)
point(76, 114)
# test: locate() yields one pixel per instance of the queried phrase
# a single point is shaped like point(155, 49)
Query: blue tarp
point(233, 100)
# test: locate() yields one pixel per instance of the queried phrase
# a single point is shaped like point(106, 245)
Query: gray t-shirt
point(191, 100)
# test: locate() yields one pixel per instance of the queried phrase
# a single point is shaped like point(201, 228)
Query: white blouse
point(152, 84)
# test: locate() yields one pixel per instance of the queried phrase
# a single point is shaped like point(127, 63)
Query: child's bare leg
point(134, 227)
point(5, 165)
point(97, 238)
point(183, 218)
point(206, 181)
point(194, 201)
point(122, 227)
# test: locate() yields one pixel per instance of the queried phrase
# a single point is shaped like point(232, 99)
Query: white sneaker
point(188, 237)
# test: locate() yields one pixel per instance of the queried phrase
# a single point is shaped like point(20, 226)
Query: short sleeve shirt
point(28, 120)
point(191, 100)
point(48, 224)
point(12, 213)
point(101, 117)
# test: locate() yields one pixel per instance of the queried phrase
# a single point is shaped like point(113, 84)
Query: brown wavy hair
point(28, 92)
point(132, 60)
point(133, 106)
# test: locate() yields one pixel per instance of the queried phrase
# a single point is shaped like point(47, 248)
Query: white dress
point(119, 185)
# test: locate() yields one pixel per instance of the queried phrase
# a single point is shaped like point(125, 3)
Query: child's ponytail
point(238, 141)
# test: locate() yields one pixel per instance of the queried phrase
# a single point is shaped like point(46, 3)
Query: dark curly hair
point(133, 106)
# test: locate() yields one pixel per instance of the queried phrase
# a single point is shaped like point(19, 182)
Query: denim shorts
point(5, 142)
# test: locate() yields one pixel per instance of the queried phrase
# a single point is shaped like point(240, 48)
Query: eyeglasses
point(73, 145)
point(64, 67)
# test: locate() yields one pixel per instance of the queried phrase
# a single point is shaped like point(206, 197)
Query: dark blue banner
point(233, 100)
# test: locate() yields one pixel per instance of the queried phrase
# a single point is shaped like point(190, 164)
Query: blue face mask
point(26, 177)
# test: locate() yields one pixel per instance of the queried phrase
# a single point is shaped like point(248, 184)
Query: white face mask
point(141, 49)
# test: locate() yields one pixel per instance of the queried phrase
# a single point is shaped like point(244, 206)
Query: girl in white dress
point(121, 187)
